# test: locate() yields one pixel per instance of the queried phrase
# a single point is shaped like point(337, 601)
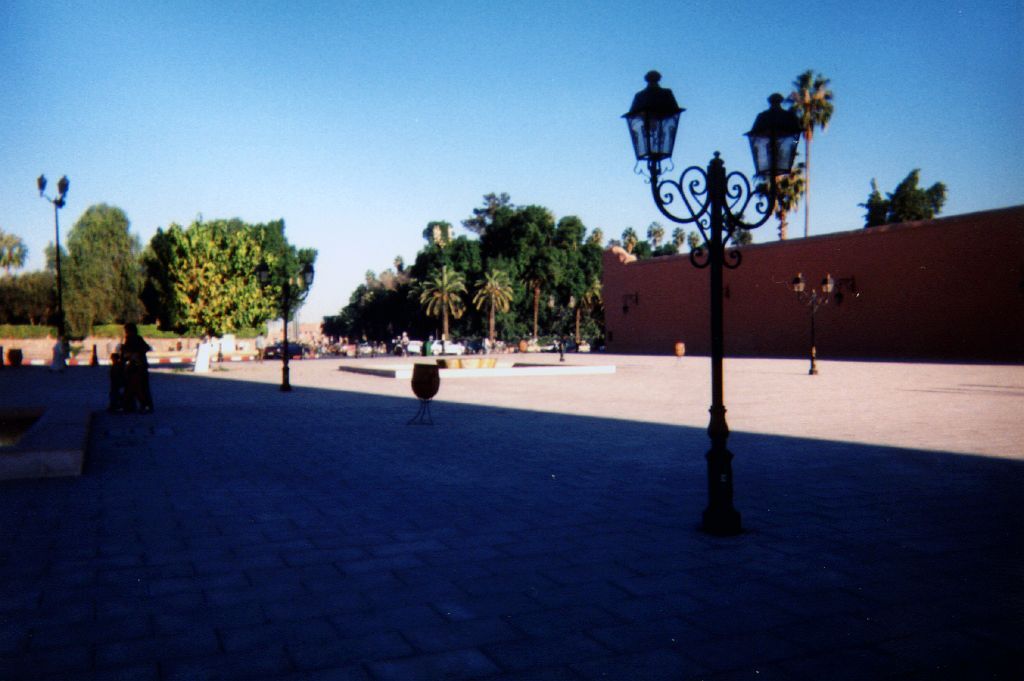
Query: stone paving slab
point(544, 529)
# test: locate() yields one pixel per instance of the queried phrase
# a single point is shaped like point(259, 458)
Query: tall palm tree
point(440, 295)
point(655, 234)
point(596, 237)
point(789, 189)
point(591, 298)
point(629, 239)
point(811, 99)
point(494, 290)
point(12, 252)
point(678, 237)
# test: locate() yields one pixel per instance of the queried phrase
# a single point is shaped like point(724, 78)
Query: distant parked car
point(295, 351)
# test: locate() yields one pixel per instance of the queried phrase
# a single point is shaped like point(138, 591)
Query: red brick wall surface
point(951, 288)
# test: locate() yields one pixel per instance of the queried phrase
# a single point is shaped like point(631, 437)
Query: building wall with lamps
point(944, 289)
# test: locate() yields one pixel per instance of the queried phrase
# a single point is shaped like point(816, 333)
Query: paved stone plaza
point(545, 528)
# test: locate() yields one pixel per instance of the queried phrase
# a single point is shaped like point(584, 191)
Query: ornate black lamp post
point(302, 281)
point(58, 203)
point(714, 201)
point(813, 299)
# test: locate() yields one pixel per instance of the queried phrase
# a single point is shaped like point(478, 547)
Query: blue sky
point(358, 123)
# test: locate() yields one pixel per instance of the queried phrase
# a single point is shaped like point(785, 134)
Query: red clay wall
point(951, 288)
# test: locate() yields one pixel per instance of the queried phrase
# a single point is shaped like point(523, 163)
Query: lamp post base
point(722, 522)
point(286, 385)
point(813, 371)
point(720, 517)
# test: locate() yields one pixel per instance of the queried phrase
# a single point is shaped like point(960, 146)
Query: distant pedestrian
point(261, 346)
point(59, 360)
point(116, 400)
point(136, 371)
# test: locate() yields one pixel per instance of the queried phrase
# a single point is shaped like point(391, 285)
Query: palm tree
point(655, 234)
point(12, 252)
point(789, 189)
point(629, 239)
point(591, 298)
point(678, 237)
point(812, 101)
point(494, 290)
point(596, 237)
point(440, 294)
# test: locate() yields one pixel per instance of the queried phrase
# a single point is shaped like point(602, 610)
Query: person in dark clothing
point(136, 371)
point(116, 383)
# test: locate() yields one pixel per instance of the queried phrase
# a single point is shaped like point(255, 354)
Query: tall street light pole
point(813, 299)
point(714, 201)
point(301, 280)
point(58, 203)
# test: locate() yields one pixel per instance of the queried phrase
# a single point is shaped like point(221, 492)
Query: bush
point(26, 331)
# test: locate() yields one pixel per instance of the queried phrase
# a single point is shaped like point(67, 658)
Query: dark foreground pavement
point(241, 533)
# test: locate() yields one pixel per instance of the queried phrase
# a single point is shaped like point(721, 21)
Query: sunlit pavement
point(543, 528)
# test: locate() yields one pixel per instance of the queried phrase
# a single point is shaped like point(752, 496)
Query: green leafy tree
point(494, 292)
point(28, 298)
point(907, 203)
point(102, 271)
point(201, 279)
point(438, 233)
point(877, 207)
point(12, 252)
point(484, 217)
point(441, 295)
point(811, 99)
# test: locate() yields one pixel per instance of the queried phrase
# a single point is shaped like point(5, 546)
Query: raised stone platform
point(54, 446)
point(504, 369)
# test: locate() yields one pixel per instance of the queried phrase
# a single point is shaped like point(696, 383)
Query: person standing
point(261, 346)
point(60, 355)
point(136, 370)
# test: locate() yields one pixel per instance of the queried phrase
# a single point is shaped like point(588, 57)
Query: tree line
point(191, 280)
point(519, 274)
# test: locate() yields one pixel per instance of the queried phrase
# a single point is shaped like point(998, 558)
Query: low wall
point(41, 349)
point(945, 289)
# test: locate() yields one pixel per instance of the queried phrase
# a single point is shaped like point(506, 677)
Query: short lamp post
point(813, 299)
point(290, 284)
point(58, 203)
point(714, 201)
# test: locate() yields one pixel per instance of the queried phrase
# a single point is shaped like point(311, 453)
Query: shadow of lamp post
point(813, 299)
point(714, 201)
point(58, 203)
point(289, 283)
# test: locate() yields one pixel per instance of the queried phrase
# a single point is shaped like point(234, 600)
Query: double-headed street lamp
point(715, 202)
point(301, 281)
point(813, 299)
point(58, 203)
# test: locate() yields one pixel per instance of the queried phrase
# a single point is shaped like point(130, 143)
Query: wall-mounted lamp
point(626, 298)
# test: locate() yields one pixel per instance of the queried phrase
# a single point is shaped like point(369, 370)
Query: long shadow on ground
point(243, 533)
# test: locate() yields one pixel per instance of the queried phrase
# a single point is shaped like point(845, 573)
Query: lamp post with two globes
point(301, 280)
point(813, 299)
point(714, 201)
point(58, 203)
